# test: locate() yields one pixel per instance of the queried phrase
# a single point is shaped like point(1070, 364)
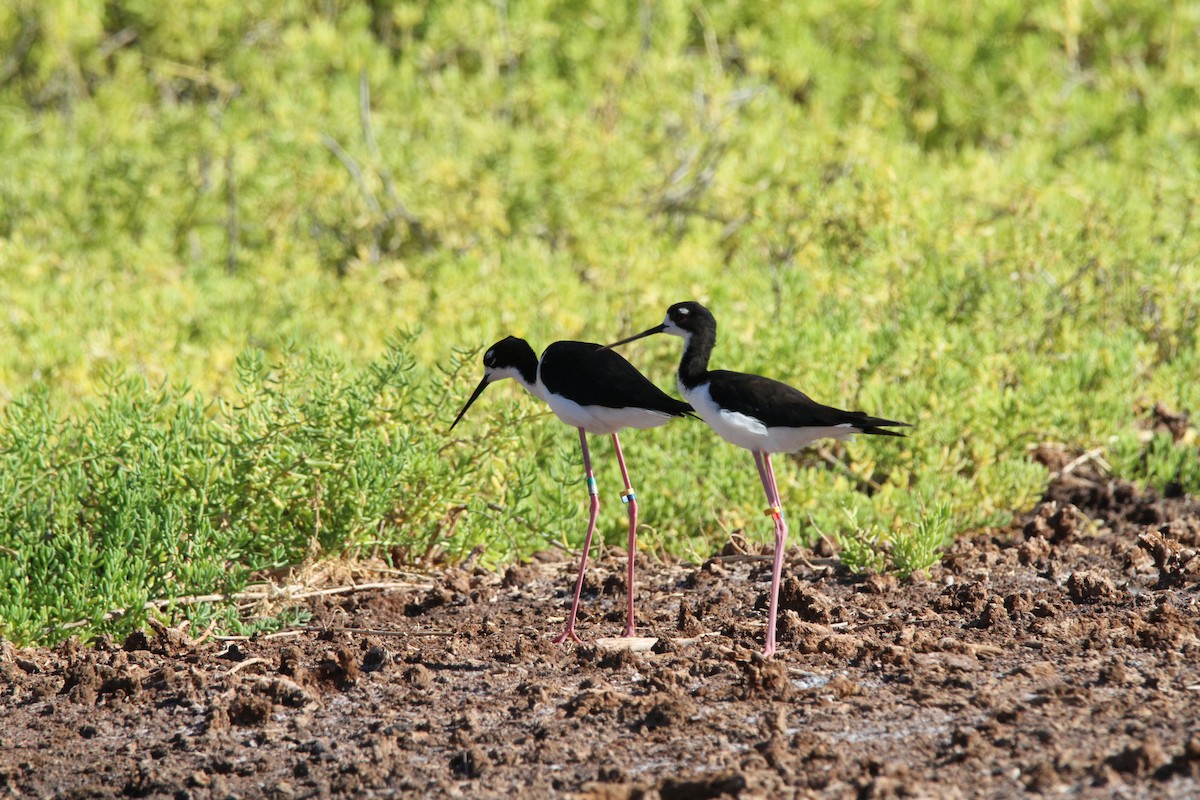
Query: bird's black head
point(508, 358)
point(684, 319)
point(510, 353)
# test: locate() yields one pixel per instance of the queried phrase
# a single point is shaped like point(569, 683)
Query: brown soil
point(1059, 657)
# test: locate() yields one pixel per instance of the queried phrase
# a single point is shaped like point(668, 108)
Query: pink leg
point(569, 632)
point(771, 477)
point(767, 474)
point(631, 500)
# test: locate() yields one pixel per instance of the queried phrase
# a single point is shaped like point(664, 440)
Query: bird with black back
point(596, 391)
point(759, 414)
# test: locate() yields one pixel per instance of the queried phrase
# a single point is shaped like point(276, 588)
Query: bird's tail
point(877, 431)
point(877, 426)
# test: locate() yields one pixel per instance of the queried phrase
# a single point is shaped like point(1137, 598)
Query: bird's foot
point(569, 633)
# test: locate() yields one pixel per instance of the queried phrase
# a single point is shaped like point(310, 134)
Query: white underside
point(748, 432)
point(598, 419)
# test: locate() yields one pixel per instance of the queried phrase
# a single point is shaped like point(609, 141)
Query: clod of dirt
point(436, 597)
point(1043, 778)
point(1018, 602)
point(806, 601)
point(879, 583)
point(249, 709)
point(198, 780)
point(613, 586)
point(709, 572)
point(1186, 763)
point(612, 791)
point(610, 659)
point(285, 692)
point(673, 712)
point(686, 622)
point(842, 687)
point(967, 598)
point(729, 784)
point(1165, 627)
point(1058, 524)
point(1124, 508)
point(142, 783)
point(290, 664)
point(121, 679)
point(1117, 674)
point(136, 641)
point(171, 642)
point(519, 575)
point(340, 667)
point(1033, 551)
point(808, 637)
point(82, 684)
point(457, 581)
point(1051, 455)
point(234, 653)
point(468, 763)
point(1140, 759)
point(418, 676)
point(823, 548)
point(1175, 563)
point(374, 659)
point(1040, 671)
point(594, 701)
point(882, 787)
point(764, 677)
point(1185, 530)
point(994, 613)
point(1090, 587)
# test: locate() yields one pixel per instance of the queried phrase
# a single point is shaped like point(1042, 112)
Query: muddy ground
point(1059, 657)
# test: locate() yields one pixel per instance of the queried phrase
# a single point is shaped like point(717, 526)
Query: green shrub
point(153, 493)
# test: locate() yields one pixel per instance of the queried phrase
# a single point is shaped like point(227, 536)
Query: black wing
point(778, 405)
point(583, 372)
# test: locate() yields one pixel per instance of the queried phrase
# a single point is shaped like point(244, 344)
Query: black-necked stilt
point(598, 392)
point(762, 415)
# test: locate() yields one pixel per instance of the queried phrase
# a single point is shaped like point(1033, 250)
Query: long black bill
point(642, 335)
point(483, 384)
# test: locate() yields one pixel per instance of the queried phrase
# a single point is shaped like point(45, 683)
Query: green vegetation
point(978, 219)
point(1169, 466)
point(151, 491)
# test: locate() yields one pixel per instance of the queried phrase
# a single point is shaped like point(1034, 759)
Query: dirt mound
point(1059, 656)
